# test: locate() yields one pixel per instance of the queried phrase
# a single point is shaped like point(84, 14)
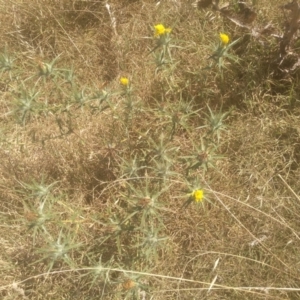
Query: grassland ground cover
point(149, 149)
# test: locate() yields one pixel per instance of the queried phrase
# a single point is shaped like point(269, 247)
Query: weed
point(124, 173)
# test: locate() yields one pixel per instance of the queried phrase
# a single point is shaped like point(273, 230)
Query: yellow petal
point(124, 81)
point(224, 38)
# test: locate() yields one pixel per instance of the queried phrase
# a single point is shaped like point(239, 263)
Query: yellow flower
point(124, 81)
point(161, 30)
point(224, 38)
point(198, 195)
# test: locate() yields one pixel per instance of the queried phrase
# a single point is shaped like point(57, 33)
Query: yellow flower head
point(124, 81)
point(198, 195)
point(161, 30)
point(224, 38)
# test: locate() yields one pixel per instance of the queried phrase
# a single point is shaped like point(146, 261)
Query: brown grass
point(67, 177)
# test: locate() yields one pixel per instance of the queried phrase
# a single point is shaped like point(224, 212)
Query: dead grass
point(112, 224)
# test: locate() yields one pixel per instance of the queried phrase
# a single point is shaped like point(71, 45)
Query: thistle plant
point(47, 69)
point(196, 196)
point(36, 218)
point(195, 192)
point(176, 115)
point(160, 151)
point(222, 51)
point(130, 167)
point(146, 202)
point(100, 96)
point(100, 271)
point(163, 170)
point(131, 285)
point(162, 37)
point(25, 105)
point(36, 190)
point(160, 158)
point(69, 76)
point(182, 115)
point(203, 157)
point(38, 200)
point(129, 102)
point(215, 123)
point(80, 97)
point(6, 62)
point(59, 250)
point(114, 229)
point(151, 242)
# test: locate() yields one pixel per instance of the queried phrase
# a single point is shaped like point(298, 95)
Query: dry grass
point(92, 189)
